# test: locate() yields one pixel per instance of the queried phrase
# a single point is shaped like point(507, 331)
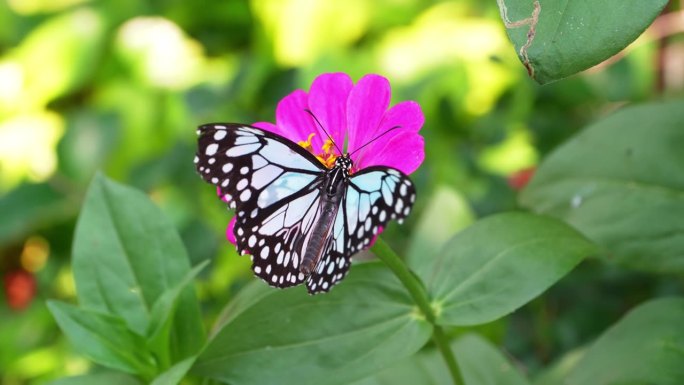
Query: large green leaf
point(103, 338)
point(126, 255)
point(480, 364)
point(99, 379)
point(620, 182)
point(499, 264)
point(555, 39)
point(175, 374)
point(288, 337)
point(161, 316)
point(645, 347)
point(446, 214)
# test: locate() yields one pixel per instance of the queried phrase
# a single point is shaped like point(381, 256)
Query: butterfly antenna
point(324, 130)
point(376, 138)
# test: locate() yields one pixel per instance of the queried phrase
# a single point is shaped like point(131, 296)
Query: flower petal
point(375, 237)
point(267, 126)
point(292, 120)
point(405, 151)
point(408, 116)
point(328, 101)
point(366, 106)
point(225, 198)
point(230, 232)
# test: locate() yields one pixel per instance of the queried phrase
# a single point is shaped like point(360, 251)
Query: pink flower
point(354, 114)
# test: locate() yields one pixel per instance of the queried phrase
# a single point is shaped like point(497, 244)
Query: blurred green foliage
point(119, 86)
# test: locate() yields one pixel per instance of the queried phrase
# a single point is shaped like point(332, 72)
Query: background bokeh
point(119, 87)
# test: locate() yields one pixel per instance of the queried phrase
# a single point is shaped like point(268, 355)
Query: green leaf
point(99, 379)
point(446, 214)
point(620, 182)
point(499, 264)
point(646, 346)
point(29, 206)
point(103, 338)
point(126, 255)
point(161, 318)
point(287, 337)
point(479, 361)
point(555, 39)
point(559, 370)
point(175, 374)
point(482, 364)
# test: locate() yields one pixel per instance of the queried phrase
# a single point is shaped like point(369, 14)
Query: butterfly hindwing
point(277, 241)
point(375, 196)
point(335, 261)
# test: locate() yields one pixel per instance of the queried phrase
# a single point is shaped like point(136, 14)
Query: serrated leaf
point(555, 39)
point(645, 347)
point(287, 337)
point(103, 338)
point(126, 254)
point(500, 263)
point(620, 182)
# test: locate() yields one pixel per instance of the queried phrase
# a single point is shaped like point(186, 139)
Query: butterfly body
point(333, 190)
point(299, 220)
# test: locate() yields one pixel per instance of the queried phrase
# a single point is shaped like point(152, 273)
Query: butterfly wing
point(374, 196)
point(274, 186)
point(335, 260)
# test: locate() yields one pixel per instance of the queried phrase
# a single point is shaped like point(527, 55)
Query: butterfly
point(299, 220)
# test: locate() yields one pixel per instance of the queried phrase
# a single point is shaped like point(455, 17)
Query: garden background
point(118, 87)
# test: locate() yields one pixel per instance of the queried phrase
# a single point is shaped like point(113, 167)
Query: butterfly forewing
point(273, 185)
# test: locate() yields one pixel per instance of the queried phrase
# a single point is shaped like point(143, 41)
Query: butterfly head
point(344, 162)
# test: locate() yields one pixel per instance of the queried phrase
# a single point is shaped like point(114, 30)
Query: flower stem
point(417, 291)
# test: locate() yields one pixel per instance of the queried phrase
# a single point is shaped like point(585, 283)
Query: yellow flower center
point(327, 157)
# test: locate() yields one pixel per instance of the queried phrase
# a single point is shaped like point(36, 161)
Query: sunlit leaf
point(59, 56)
point(126, 255)
point(555, 39)
point(645, 347)
point(103, 338)
point(500, 263)
point(287, 337)
point(620, 182)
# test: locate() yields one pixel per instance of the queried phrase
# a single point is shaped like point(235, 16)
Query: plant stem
point(442, 342)
point(417, 291)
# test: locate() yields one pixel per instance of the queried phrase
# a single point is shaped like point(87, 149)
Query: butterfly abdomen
point(329, 207)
